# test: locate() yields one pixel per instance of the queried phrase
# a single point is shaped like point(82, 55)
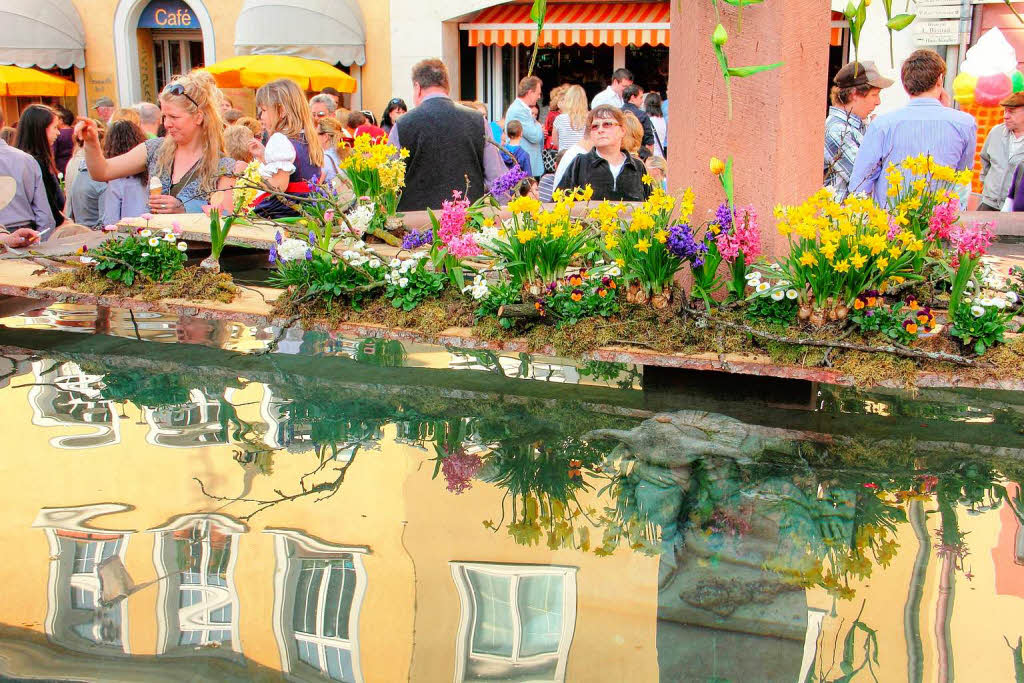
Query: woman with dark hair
point(126, 197)
point(652, 105)
point(38, 129)
point(396, 107)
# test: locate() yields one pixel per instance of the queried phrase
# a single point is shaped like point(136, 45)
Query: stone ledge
point(253, 307)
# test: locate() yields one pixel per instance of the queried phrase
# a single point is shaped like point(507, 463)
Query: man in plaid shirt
point(855, 94)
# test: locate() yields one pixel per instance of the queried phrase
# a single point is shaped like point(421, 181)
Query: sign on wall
point(173, 14)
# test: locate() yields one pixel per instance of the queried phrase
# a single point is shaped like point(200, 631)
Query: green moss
point(193, 283)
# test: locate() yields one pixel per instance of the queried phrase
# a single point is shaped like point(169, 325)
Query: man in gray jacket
point(1002, 152)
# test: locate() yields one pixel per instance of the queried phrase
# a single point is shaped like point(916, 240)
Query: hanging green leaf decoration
point(718, 41)
point(537, 14)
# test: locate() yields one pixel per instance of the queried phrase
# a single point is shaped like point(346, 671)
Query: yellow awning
point(18, 82)
point(252, 71)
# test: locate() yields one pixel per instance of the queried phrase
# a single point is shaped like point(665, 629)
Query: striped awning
point(612, 23)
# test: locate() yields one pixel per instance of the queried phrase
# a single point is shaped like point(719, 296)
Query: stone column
point(776, 135)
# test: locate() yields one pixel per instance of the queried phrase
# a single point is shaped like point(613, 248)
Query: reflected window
point(76, 619)
point(63, 395)
point(194, 424)
point(517, 621)
point(319, 588)
point(198, 604)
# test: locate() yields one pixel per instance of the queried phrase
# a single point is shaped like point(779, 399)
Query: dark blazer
point(446, 152)
point(591, 169)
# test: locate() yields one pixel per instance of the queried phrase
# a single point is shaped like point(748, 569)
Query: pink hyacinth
point(463, 246)
point(454, 214)
point(459, 468)
point(943, 218)
point(971, 240)
point(745, 236)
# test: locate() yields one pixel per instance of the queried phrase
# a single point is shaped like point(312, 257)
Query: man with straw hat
point(1002, 152)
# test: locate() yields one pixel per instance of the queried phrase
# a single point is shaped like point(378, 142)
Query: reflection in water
point(366, 529)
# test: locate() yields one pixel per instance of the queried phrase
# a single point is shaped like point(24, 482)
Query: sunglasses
point(319, 114)
point(179, 90)
point(605, 125)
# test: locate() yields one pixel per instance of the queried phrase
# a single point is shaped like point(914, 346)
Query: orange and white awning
point(612, 23)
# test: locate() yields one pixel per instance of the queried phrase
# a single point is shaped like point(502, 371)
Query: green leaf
point(742, 3)
point(538, 12)
point(850, 11)
point(900, 21)
point(744, 71)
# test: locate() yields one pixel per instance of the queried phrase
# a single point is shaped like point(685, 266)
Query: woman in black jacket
point(38, 129)
point(611, 172)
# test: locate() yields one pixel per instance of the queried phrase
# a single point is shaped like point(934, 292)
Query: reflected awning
point(18, 82)
point(329, 30)
point(613, 23)
point(43, 33)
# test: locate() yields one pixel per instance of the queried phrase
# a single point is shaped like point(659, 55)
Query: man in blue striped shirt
point(926, 125)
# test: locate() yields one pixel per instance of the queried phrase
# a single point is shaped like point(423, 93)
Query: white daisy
point(977, 311)
point(763, 287)
point(792, 294)
point(154, 241)
point(778, 295)
point(182, 246)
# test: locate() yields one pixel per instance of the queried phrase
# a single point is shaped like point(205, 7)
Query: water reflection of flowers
point(459, 468)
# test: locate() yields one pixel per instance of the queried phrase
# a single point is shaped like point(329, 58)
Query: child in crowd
point(293, 155)
point(513, 154)
point(658, 170)
point(237, 140)
point(252, 124)
point(529, 188)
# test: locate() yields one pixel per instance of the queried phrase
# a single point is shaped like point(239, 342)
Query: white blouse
point(279, 155)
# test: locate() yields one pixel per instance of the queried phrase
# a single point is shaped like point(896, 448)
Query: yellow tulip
point(717, 166)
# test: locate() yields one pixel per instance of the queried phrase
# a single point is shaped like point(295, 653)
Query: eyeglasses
point(319, 114)
point(604, 125)
point(179, 89)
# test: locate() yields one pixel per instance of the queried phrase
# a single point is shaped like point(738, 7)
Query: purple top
point(29, 204)
point(1016, 192)
point(305, 170)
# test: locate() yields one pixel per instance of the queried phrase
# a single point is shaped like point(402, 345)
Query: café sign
point(172, 14)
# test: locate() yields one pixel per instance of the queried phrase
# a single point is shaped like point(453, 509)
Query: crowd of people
point(182, 153)
point(858, 153)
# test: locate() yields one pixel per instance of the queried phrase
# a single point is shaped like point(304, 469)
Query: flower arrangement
point(452, 240)
point(538, 244)
point(409, 282)
point(903, 320)
point(377, 170)
point(579, 296)
point(838, 251)
point(150, 255)
point(640, 243)
point(771, 302)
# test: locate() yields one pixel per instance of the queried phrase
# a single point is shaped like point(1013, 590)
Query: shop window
point(649, 64)
point(319, 589)
point(517, 621)
point(589, 66)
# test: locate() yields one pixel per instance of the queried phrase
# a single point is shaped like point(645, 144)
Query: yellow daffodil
point(646, 179)
point(808, 259)
point(610, 241)
point(842, 266)
point(521, 205)
point(661, 236)
point(882, 263)
point(858, 260)
point(643, 245)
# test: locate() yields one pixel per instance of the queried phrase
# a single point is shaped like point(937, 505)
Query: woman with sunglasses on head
point(189, 161)
point(612, 173)
point(392, 113)
point(293, 156)
point(38, 129)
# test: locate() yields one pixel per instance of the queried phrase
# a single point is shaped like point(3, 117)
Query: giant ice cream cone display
point(987, 76)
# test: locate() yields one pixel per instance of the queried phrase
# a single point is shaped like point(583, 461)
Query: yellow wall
point(388, 502)
point(101, 71)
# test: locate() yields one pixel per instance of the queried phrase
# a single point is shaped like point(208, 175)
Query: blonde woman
point(634, 134)
point(294, 156)
point(189, 161)
point(329, 131)
point(571, 122)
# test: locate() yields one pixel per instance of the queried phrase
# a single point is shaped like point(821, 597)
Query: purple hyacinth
point(723, 216)
point(417, 238)
point(505, 184)
point(681, 244)
point(312, 237)
point(278, 238)
point(309, 254)
point(273, 253)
